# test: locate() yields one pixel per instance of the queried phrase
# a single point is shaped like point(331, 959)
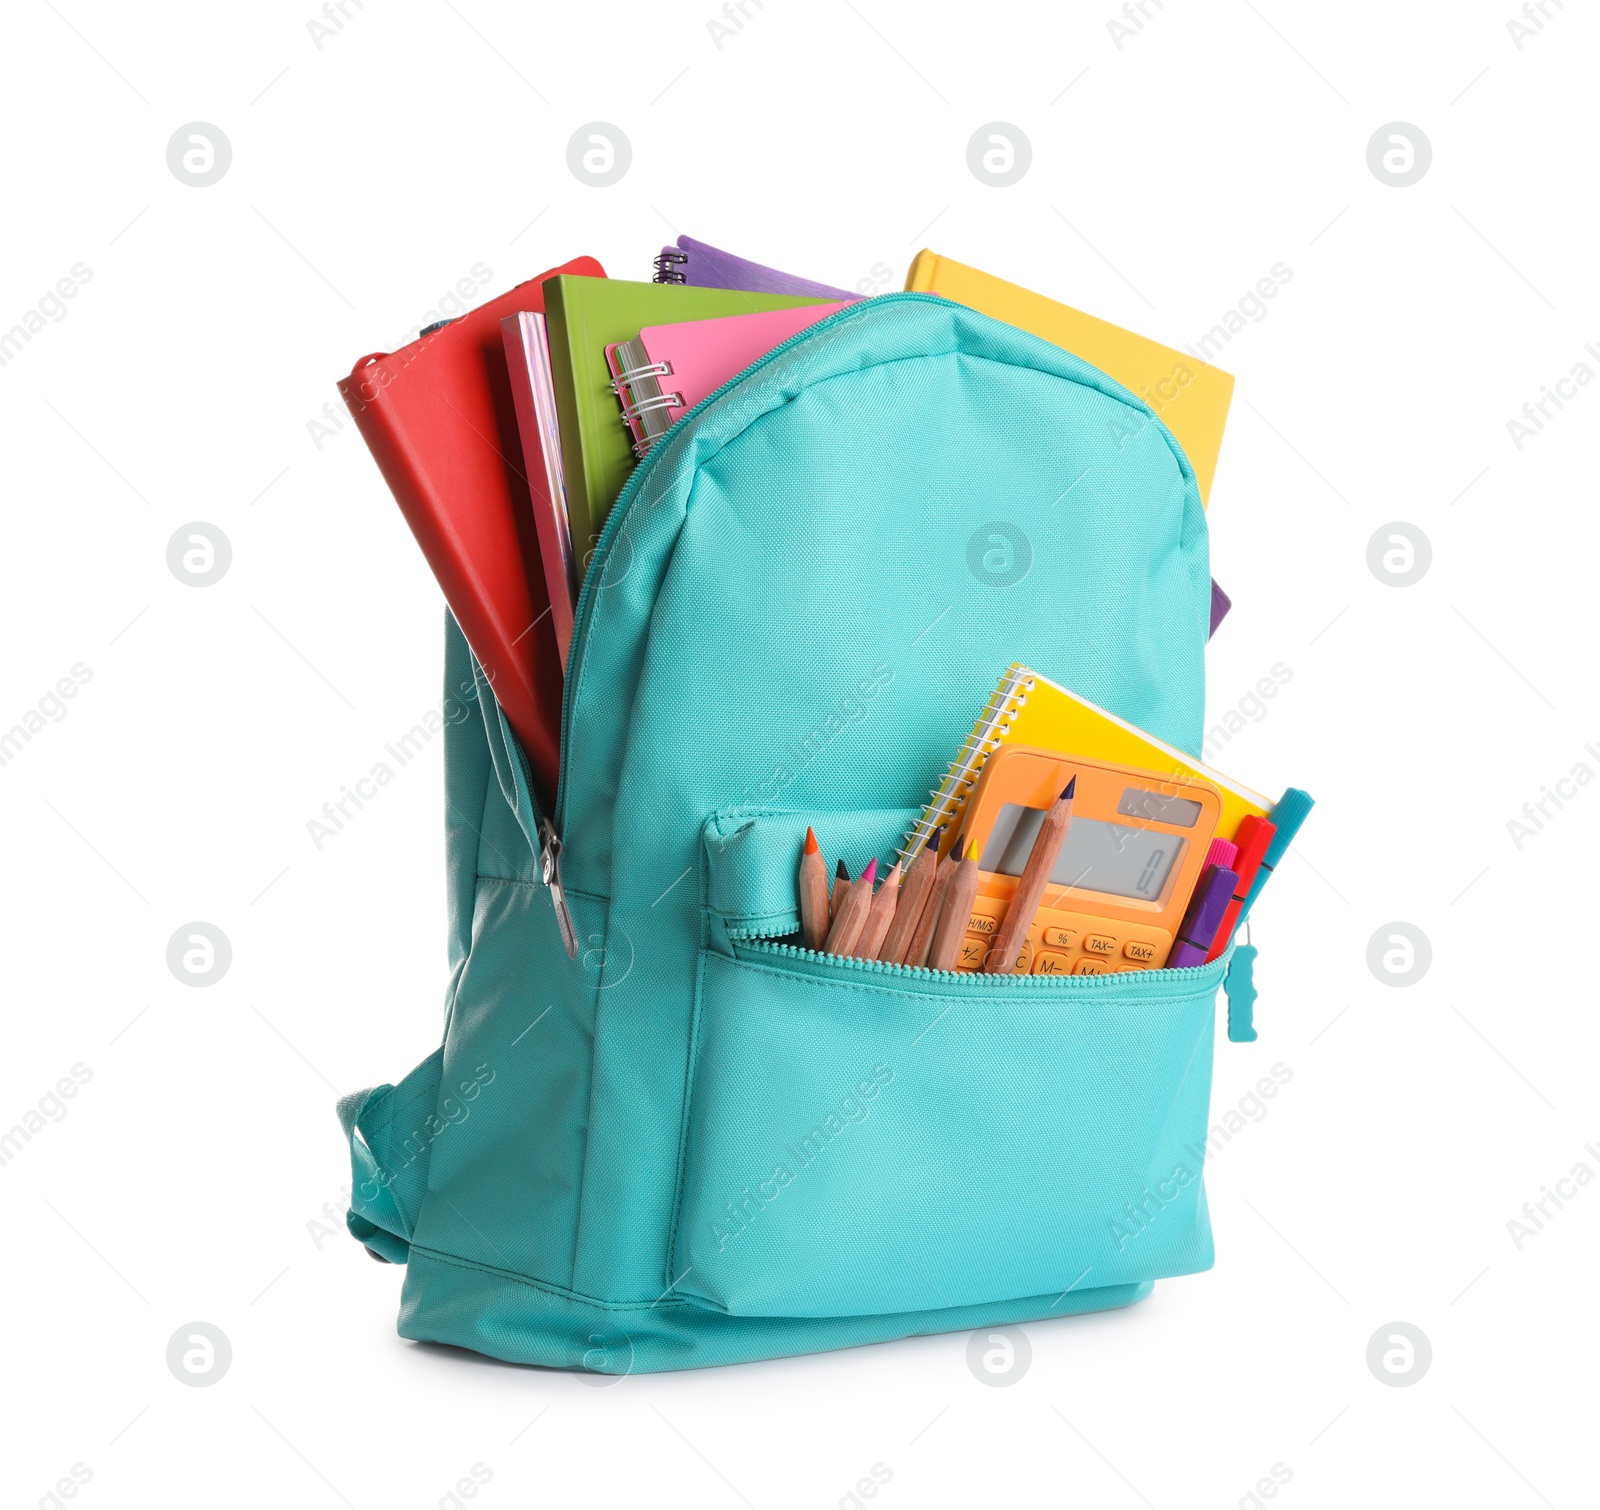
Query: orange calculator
point(1120, 885)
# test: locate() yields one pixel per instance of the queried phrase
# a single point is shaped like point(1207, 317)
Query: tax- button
point(1051, 964)
point(1059, 938)
point(1143, 952)
point(1099, 943)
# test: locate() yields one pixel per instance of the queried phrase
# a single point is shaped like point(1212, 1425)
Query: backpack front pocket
point(865, 1139)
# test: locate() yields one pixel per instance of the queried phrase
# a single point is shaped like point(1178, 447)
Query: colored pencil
point(841, 889)
point(884, 906)
point(851, 917)
point(913, 894)
point(956, 910)
point(813, 886)
point(922, 935)
point(1010, 935)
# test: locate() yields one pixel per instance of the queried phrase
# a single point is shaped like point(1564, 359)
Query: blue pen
point(1291, 811)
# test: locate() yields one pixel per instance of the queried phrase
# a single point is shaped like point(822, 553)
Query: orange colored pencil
point(813, 887)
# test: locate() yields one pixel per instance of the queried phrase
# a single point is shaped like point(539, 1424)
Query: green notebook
point(583, 317)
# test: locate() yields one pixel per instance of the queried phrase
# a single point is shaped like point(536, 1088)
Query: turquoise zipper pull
point(1240, 988)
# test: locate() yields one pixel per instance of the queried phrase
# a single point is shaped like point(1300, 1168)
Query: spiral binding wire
point(633, 374)
point(667, 268)
point(988, 734)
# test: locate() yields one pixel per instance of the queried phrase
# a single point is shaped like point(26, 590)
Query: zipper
point(619, 510)
point(754, 944)
point(550, 863)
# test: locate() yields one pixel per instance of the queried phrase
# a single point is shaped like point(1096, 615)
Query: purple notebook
point(702, 266)
point(1220, 604)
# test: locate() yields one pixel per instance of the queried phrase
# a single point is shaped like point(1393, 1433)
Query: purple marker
point(1199, 927)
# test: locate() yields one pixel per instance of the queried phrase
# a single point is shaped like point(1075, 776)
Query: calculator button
point(1088, 966)
point(1051, 964)
point(1139, 950)
point(972, 953)
point(980, 924)
point(1024, 958)
point(1060, 938)
point(1099, 943)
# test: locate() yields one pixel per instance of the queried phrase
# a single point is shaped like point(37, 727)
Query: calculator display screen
point(1159, 807)
point(1097, 856)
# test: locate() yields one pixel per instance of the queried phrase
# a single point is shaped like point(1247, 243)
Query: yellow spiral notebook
point(1030, 709)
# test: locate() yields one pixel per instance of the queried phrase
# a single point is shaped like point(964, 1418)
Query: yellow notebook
point(1030, 709)
point(1190, 396)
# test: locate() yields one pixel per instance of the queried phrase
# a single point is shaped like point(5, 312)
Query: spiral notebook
point(1030, 709)
point(667, 369)
point(701, 266)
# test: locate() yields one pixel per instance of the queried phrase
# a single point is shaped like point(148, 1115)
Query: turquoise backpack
point(657, 1137)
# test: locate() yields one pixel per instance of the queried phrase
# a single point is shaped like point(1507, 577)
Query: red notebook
point(440, 421)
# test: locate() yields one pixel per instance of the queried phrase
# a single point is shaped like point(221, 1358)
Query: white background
point(188, 1179)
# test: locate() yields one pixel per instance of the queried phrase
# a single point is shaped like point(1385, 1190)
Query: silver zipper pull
point(550, 860)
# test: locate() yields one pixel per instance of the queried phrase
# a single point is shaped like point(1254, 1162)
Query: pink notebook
point(663, 374)
point(528, 358)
